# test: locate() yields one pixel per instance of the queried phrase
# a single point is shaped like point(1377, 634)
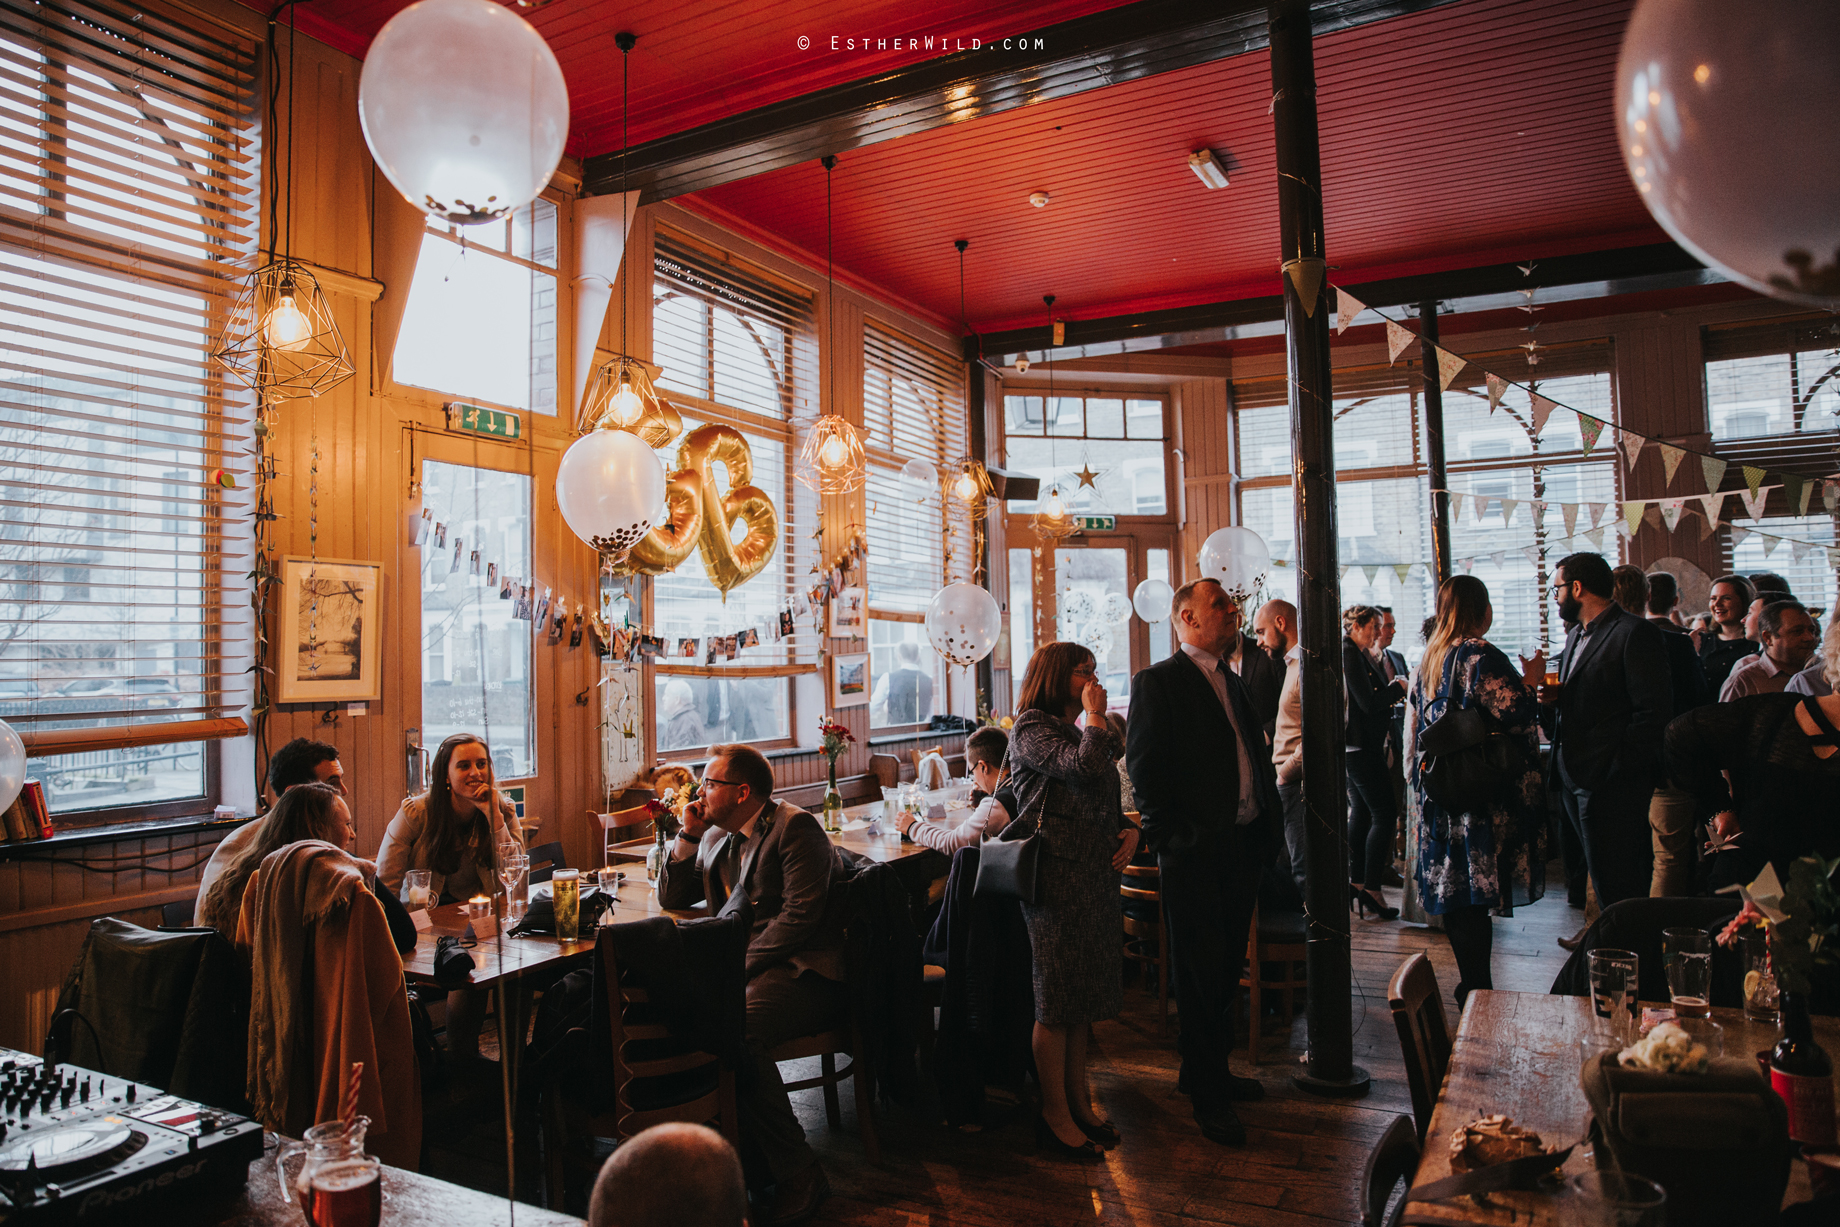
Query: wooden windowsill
point(116, 832)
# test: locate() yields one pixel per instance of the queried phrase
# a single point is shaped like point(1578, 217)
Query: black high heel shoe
point(1104, 1133)
point(1365, 899)
point(1085, 1152)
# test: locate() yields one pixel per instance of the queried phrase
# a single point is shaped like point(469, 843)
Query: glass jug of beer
point(338, 1184)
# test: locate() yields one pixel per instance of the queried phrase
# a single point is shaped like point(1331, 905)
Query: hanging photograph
point(850, 680)
point(330, 634)
point(849, 614)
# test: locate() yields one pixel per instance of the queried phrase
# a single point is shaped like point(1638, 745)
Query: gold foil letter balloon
point(702, 514)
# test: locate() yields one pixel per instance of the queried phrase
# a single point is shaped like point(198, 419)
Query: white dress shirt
point(1210, 665)
point(985, 821)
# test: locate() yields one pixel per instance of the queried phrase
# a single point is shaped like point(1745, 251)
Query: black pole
point(1434, 441)
point(1331, 1069)
point(979, 448)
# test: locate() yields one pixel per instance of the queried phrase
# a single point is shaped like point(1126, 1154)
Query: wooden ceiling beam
point(1128, 43)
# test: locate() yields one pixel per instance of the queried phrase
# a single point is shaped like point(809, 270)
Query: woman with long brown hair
point(454, 829)
point(305, 811)
point(1491, 857)
point(1065, 781)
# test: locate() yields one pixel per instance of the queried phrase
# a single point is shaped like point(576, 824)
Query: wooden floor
point(1301, 1166)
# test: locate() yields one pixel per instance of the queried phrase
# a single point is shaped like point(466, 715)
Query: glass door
point(1083, 590)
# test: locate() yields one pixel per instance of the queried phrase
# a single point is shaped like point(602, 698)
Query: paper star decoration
point(1086, 475)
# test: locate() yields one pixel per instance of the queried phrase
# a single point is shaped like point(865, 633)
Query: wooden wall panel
point(1205, 436)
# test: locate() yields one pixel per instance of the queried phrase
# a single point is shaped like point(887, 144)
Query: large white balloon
point(963, 623)
point(1114, 608)
point(1238, 558)
point(12, 765)
point(1077, 605)
point(918, 481)
point(1723, 110)
point(1153, 600)
point(464, 107)
point(610, 487)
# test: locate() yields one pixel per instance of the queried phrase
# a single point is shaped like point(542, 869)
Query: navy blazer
point(1184, 767)
point(1616, 701)
point(1370, 698)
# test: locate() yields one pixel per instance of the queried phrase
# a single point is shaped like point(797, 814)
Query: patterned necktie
point(728, 863)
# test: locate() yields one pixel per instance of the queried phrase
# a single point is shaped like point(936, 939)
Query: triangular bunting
point(1715, 508)
point(1466, 564)
point(1498, 387)
point(1570, 512)
point(1508, 506)
point(1754, 499)
point(1589, 428)
point(1448, 365)
point(1372, 573)
point(1499, 558)
point(1671, 457)
point(1456, 506)
point(1769, 543)
point(1798, 550)
point(1623, 529)
point(1533, 554)
point(1347, 309)
point(1753, 477)
point(1652, 516)
point(1713, 470)
point(1341, 572)
point(1402, 570)
point(1481, 505)
point(1670, 512)
point(1397, 339)
point(1596, 538)
point(1632, 447)
point(1307, 279)
point(1542, 409)
point(1830, 495)
point(1708, 527)
point(1796, 490)
point(1539, 515)
point(1738, 534)
point(1593, 513)
point(1632, 514)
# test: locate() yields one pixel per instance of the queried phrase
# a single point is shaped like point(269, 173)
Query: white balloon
point(1722, 111)
point(610, 487)
point(1098, 641)
point(1238, 558)
point(464, 107)
point(1152, 600)
point(918, 481)
point(1077, 605)
point(963, 623)
point(1115, 609)
point(12, 765)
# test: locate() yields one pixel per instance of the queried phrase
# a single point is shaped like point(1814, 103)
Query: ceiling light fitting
point(1039, 199)
point(832, 460)
point(1207, 168)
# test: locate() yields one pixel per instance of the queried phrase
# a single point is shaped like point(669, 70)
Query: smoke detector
point(1039, 199)
point(1022, 364)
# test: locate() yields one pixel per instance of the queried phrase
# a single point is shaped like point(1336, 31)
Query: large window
point(481, 319)
point(1773, 380)
point(1791, 550)
point(127, 196)
point(475, 650)
point(913, 409)
point(734, 345)
point(1106, 453)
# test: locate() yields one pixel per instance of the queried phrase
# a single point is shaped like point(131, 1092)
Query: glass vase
point(833, 801)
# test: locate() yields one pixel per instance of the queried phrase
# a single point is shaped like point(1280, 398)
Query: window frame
point(1085, 392)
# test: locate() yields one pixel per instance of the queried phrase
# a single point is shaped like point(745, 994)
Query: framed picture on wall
point(329, 648)
point(850, 680)
point(849, 614)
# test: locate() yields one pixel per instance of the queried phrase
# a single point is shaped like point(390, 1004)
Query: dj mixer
point(79, 1146)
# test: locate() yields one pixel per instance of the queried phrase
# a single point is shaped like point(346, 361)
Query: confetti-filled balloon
point(1238, 558)
point(1114, 609)
point(1152, 600)
point(963, 623)
point(610, 489)
point(1077, 605)
point(918, 481)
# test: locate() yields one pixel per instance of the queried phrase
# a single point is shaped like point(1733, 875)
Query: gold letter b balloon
point(703, 515)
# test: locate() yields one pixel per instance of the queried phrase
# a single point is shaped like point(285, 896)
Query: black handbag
point(1465, 760)
point(1009, 864)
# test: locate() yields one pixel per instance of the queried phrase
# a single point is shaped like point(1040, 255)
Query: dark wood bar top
point(409, 1201)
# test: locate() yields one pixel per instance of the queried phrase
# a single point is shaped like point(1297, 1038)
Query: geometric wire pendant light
point(1055, 519)
point(832, 460)
point(281, 339)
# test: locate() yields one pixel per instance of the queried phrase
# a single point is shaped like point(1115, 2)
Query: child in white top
point(984, 751)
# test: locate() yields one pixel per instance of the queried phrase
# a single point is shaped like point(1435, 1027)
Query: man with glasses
point(738, 845)
point(1605, 718)
point(1731, 600)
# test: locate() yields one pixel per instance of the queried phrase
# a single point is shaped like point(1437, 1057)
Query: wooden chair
point(178, 915)
point(1277, 938)
point(626, 835)
point(847, 1040)
point(545, 860)
point(1393, 1158)
point(1142, 937)
point(1424, 1033)
point(644, 1074)
point(886, 769)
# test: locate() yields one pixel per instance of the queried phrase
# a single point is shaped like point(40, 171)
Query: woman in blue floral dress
point(1490, 859)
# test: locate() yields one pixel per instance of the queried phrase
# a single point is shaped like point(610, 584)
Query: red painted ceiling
point(1472, 133)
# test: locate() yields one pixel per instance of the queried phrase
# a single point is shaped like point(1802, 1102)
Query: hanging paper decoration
point(1448, 364)
point(1830, 495)
point(1596, 538)
point(1402, 570)
point(1671, 457)
point(1632, 514)
point(1456, 506)
point(1707, 529)
point(1466, 564)
point(1753, 477)
point(1595, 513)
point(1499, 558)
point(1347, 309)
point(1769, 544)
point(1588, 429)
point(1508, 508)
point(1713, 469)
point(1738, 534)
point(1372, 574)
point(1570, 512)
point(1753, 498)
point(1796, 491)
point(1798, 550)
point(1498, 387)
point(1632, 448)
point(1533, 554)
point(1715, 508)
point(1670, 512)
point(1397, 339)
point(1542, 409)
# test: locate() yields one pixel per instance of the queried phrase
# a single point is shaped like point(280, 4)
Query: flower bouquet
point(1802, 920)
point(667, 820)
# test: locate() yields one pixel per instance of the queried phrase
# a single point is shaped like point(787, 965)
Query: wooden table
point(888, 846)
point(411, 1200)
point(1517, 1053)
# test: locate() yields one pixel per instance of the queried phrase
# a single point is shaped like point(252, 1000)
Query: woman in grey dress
point(1067, 780)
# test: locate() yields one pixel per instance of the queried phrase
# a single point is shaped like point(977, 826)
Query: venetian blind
point(735, 348)
point(913, 409)
point(128, 197)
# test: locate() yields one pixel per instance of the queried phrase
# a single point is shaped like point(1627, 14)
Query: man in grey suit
point(737, 844)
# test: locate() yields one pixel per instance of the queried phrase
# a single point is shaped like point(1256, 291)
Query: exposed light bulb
point(835, 452)
point(286, 327)
point(965, 488)
point(1055, 508)
point(627, 408)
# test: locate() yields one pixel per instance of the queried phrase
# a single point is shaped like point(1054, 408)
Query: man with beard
point(1605, 718)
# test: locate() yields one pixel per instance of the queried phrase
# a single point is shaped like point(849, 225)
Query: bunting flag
point(1596, 538)
point(1632, 448)
point(1595, 512)
point(1588, 429)
point(1715, 508)
point(1798, 550)
point(1466, 564)
point(1753, 498)
point(1539, 515)
point(1570, 512)
point(1402, 570)
point(1670, 512)
point(1632, 514)
point(1397, 339)
point(1708, 528)
point(1508, 508)
point(1738, 534)
point(1372, 574)
point(1671, 457)
point(1713, 469)
point(1753, 477)
point(1533, 554)
point(1456, 505)
point(1498, 387)
point(1830, 495)
point(1448, 365)
point(1347, 309)
point(1796, 490)
point(1542, 409)
point(1499, 558)
point(1769, 544)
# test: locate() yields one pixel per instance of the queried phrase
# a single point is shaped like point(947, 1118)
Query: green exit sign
point(1095, 524)
point(479, 420)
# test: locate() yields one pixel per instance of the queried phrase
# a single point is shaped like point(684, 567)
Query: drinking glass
point(1613, 1199)
point(514, 872)
point(415, 889)
point(1759, 979)
point(1615, 995)
point(565, 892)
point(1687, 954)
point(891, 802)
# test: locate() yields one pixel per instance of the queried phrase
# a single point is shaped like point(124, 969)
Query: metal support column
point(1434, 441)
point(1331, 1069)
point(978, 444)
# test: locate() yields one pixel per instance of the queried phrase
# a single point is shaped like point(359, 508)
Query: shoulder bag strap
point(1041, 801)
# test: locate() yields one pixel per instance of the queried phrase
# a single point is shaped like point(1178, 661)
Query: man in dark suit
point(1606, 716)
point(1671, 813)
point(1259, 671)
point(738, 845)
point(1209, 801)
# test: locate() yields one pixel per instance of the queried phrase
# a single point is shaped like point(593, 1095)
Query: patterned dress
point(1493, 857)
point(1075, 923)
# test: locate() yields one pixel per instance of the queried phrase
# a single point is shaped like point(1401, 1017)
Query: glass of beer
point(415, 889)
point(345, 1193)
point(565, 891)
point(1688, 955)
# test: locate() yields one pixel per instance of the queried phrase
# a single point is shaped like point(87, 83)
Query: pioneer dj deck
point(78, 1146)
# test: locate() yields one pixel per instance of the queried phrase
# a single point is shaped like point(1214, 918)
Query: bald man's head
point(670, 1176)
point(1275, 627)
